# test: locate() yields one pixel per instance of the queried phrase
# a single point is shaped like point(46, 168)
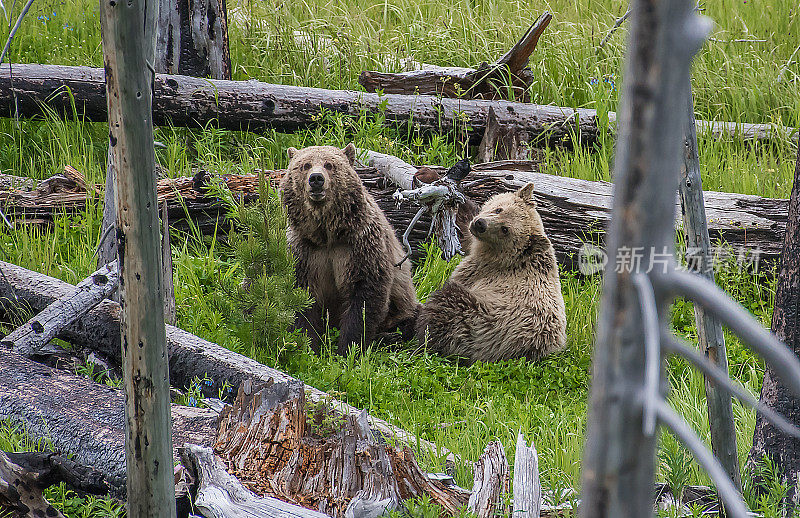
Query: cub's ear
point(526, 193)
point(350, 152)
point(291, 152)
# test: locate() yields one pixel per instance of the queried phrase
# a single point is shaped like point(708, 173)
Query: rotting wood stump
point(278, 446)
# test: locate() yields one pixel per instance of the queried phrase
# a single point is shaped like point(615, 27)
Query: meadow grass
point(459, 408)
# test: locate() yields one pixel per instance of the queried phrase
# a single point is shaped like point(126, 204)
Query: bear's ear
point(526, 193)
point(350, 152)
point(291, 152)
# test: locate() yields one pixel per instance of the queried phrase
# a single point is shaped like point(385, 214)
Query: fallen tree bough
point(254, 106)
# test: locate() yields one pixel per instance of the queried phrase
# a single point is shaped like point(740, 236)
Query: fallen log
point(574, 211)
point(488, 81)
point(253, 105)
point(29, 338)
point(74, 415)
point(189, 355)
point(308, 455)
point(23, 477)
point(221, 495)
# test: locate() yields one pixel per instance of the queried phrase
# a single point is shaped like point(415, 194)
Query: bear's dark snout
point(478, 226)
point(316, 181)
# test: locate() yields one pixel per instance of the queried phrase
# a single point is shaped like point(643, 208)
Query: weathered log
point(325, 462)
point(254, 106)
point(490, 481)
point(82, 418)
point(527, 488)
point(29, 338)
point(488, 81)
point(21, 485)
point(574, 211)
point(10, 182)
point(192, 38)
point(221, 495)
point(189, 355)
point(23, 476)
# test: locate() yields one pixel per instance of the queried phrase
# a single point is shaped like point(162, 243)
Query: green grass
point(459, 408)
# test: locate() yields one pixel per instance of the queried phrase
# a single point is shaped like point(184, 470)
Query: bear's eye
point(504, 229)
point(498, 210)
point(328, 166)
point(307, 166)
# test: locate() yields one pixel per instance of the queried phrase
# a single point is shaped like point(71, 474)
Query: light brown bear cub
point(345, 250)
point(504, 299)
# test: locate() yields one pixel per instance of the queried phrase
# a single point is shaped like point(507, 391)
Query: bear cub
point(345, 250)
point(504, 299)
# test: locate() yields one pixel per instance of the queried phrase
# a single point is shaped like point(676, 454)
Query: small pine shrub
point(268, 296)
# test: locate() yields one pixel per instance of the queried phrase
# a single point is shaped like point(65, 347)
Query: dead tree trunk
point(83, 418)
point(767, 439)
point(221, 495)
point(709, 330)
point(192, 38)
point(490, 482)
point(618, 462)
point(128, 30)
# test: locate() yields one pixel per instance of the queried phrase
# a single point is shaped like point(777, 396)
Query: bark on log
point(487, 81)
point(527, 488)
point(325, 462)
point(221, 495)
point(192, 38)
point(252, 105)
point(490, 475)
point(83, 418)
point(21, 488)
point(29, 339)
point(189, 355)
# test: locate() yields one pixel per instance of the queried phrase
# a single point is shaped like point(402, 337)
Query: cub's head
point(318, 173)
point(508, 220)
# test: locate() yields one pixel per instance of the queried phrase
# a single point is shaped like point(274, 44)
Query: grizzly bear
point(345, 250)
point(504, 299)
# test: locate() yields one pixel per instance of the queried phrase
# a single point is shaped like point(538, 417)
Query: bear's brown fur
point(504, 299)
point(345, 250)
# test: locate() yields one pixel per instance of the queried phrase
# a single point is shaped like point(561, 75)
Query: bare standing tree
point(128, 31)
point(769, 440)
